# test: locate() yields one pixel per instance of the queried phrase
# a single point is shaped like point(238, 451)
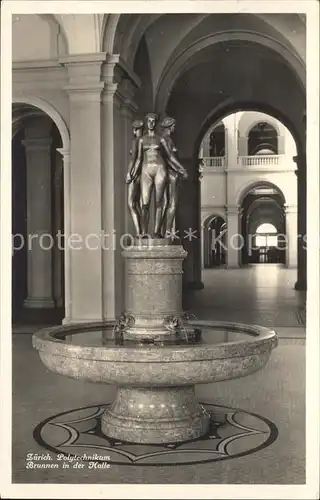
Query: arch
point(230, 106)
point(121, 33)
point(266, 227)
point(244, 190)
point(108, 32)
point(266, 220)
point(254, 123)
point(50, 111)
point(208, 258)
point(56, 19)
point(174, 70)
point(258, 132)
point(207, 219)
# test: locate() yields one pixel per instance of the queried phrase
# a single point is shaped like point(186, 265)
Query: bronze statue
point(171, 194)
point(154, 158)
point(133, 178)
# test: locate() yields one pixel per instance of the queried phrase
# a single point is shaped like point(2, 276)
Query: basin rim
point(264, 340)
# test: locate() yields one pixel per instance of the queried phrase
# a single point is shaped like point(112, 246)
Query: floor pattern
point(77, 434)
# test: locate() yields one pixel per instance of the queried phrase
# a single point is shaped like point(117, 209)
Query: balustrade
point(220, 162)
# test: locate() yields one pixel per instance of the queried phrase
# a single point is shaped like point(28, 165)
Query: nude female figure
point(153, 159)
point(171, 195)
point(133, 178)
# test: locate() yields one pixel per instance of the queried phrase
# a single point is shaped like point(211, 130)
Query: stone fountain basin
point(66, 350)
point(155, 400)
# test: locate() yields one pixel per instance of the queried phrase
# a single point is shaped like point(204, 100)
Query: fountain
point(155, 353)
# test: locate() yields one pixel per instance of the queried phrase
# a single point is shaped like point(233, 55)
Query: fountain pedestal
point(155, 415)
point(153, 301)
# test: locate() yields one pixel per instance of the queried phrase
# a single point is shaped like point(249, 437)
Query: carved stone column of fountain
point(153, 315)
point(153, 303)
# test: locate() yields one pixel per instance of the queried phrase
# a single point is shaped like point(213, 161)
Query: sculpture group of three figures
point(154, 166)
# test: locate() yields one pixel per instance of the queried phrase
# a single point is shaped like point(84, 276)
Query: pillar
point(231, 140)
point(203, 243)
point(57, 229)
point(189, 225)
point(39, 223)
point(128, 111)
point(118, 108)
point(234, 238)
point(83, 225)
point(65, 153)
point(113, 202)
point(292, 236)
point(301, 283)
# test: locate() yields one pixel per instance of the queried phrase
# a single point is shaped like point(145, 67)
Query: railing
point(258, 160)
point(213, 161)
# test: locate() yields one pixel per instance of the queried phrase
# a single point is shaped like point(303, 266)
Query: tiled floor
point(261, 294)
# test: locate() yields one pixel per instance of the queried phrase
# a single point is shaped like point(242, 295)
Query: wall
point(44, 38)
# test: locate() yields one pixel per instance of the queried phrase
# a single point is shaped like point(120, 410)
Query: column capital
point(92, 74)
point(37, 144)
point(112, 95)
point(115, 70)
point(82, 92)
point(64, 152)
point(301, 162)
point(233, 209)
point(83, 67)
point(290, 209)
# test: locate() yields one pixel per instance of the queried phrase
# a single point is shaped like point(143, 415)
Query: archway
point(213, 242)
point(38, 291)
point(263, 203)
point(266, 238)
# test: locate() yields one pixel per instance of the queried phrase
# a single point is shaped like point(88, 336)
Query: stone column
point(231, 141)
point(189, 224)
point(113, 203)
point(301, 283)
point(234, 239)
point(39, 230)
point(65, 235)
point(128, 111)
point(117, 110)
point(83, 229)
point(203, 242)
point(292, 236)
point(57, 229)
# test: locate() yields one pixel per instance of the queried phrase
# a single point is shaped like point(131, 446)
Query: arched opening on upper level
point(262, 139)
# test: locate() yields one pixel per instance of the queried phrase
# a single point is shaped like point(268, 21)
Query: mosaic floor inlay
point(233, 433)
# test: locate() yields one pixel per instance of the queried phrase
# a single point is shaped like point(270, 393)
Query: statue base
point(154, 294)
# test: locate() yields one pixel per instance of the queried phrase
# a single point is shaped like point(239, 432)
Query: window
point(266, 236)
